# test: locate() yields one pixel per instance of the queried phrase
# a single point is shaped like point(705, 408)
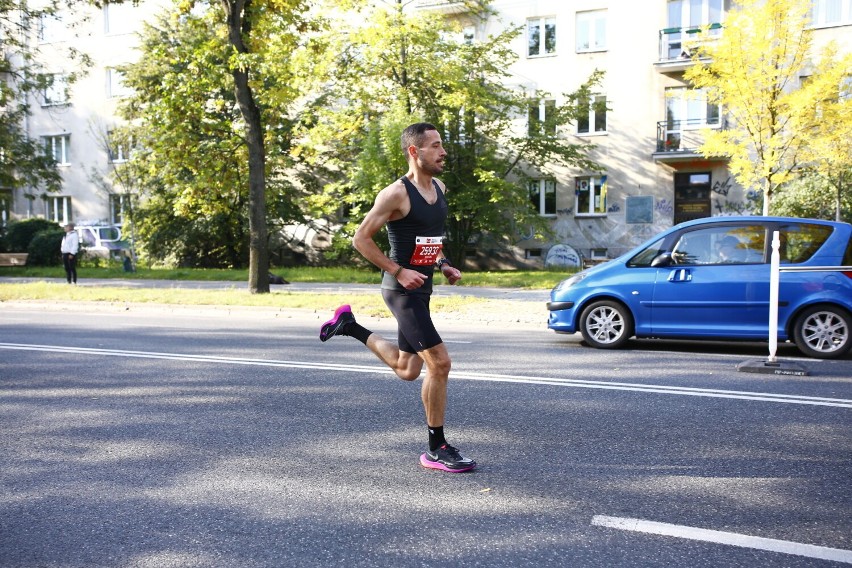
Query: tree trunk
point(239, 24)
point(767, 195)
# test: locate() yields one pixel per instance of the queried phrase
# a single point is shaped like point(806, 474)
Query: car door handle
point(680, 275)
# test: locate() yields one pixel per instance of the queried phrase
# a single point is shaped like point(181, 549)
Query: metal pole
point(773, 296)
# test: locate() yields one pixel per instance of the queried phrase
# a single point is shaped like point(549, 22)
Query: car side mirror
point(662, 259)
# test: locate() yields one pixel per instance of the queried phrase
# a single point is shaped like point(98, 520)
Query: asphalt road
point(233, 438)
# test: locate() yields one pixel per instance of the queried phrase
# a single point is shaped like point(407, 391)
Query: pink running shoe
point(447, 458)
point(342, 316)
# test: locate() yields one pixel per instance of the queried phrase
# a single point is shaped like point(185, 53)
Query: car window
point(721, 245)
point(646, 255)
point(109, 233)
point(799, 241)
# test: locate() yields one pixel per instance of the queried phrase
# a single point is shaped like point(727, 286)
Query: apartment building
point(74, 121)
point(645, 121)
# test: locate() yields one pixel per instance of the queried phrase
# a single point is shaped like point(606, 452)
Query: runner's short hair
point(413, 135)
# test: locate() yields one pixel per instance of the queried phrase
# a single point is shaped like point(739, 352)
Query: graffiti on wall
point(664, 207)
point(562, 255)
point(723, 187)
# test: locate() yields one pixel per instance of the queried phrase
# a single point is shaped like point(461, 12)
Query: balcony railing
point(676, 43)
point(442, 6)
point(683, 136)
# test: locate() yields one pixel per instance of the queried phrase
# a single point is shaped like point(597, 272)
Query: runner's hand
point(410, 279)
point(451, 273)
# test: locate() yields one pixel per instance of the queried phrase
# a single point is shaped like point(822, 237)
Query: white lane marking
point(720, 537)
point(550, 381)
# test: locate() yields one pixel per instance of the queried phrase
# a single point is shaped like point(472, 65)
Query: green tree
point(23, 78)
point(212, 167)
point(386, 68)
point(752, 71)
point(812, 195)
point(828, 156)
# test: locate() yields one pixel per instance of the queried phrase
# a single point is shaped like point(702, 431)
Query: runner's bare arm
point(391, 203)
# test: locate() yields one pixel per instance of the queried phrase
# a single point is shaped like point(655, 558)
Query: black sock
point(357, 331)
point(436, 437)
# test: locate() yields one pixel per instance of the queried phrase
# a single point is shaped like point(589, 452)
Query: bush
point(21, 233)
point(44, 248)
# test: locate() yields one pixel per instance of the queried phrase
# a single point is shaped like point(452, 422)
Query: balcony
point(679, 140)
point(676, 45)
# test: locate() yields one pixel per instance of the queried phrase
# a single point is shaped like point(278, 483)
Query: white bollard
point(774, 269)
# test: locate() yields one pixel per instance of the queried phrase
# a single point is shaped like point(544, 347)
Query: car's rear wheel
point(823, 332)
point(606, 324)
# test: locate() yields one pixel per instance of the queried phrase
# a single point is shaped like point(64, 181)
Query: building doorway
point(691, 196)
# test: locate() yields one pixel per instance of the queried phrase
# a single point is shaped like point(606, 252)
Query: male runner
point(414, 209)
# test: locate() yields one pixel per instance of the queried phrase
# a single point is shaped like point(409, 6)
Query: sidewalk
point(504, 306)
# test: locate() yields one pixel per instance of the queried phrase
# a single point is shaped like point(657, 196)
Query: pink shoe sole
point(437, 465)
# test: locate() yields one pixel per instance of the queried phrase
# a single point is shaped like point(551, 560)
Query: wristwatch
point(442, 261)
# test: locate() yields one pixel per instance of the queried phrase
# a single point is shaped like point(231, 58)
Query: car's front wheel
point(823, 332)
point(606, 324)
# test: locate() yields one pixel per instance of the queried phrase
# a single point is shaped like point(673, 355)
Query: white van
point(102, 241)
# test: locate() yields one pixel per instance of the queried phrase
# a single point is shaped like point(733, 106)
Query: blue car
point(709, 279)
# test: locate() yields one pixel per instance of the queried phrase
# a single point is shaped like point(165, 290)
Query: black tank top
point(423, 220)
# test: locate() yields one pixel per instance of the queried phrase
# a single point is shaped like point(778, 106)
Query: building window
point(120, 18)
point(846, 87)
point(119, 204)
point(59, 148)
point(831, 12)
point(5, 207)
point(51, 28)
point(590, 195)
point(591, 31)
point(694, 14)
point(689, 108)
point(119, 152)
point(592, 115)
point(58, 209)
point(543, 196)
point(541, 118)
point(541, 36)
point(115, 84)
point(57, 92)
point(469, 35)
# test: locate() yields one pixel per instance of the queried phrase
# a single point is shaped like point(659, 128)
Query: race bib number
point(426, 250)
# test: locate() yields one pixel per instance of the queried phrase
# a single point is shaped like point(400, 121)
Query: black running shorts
point(416, 330)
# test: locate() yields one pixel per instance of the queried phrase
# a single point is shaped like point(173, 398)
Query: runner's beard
point(434, 168)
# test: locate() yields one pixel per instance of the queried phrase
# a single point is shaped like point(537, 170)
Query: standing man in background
point(70, 247)
point(414, 209)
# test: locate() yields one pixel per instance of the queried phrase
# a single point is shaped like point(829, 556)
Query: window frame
point(819, 13)
point(50, 142)
point(5, 206)
point(115, 84)
point(686, 96)
point(597, 193)
point(536, 122)
point(119, 204)
point(52, 28)
point(593, 19)
point(52, 208)
point(541, 23)
point(59, 86)
point(543, 187)
point(591, 120)
point(124, 15)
